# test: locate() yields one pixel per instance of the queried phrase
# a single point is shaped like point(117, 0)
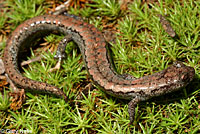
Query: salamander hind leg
point(60, 53)
point(61, 47)
point(131, 108)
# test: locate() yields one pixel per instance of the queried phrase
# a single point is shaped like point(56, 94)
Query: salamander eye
point(185, 77)
point(178, 64)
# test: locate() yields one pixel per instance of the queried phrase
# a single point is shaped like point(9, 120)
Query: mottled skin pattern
point(97, 61)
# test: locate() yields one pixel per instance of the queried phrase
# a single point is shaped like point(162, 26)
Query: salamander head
point(186, 73)
point(173, 78)
point(179, 75)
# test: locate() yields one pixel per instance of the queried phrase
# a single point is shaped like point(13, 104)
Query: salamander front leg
point(127, 76)
point(60, 54)
point(131, 108)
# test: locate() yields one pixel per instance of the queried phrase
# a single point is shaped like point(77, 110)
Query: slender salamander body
point(97, 62)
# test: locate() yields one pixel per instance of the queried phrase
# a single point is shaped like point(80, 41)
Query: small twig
point(38, 58)
point(2, 77)
point(166, 26)
point(57, 66)
point(61, 8)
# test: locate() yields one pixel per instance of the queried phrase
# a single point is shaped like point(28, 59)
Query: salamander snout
point(189, 74)
point(186, 73)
